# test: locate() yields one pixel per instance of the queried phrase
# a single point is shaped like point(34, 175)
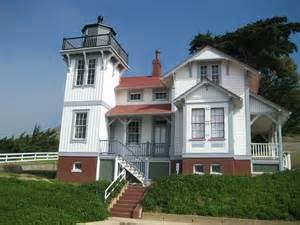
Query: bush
point(45, 203)
point(274, 196)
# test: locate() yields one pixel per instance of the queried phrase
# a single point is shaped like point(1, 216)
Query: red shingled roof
point(139, 109)
point(140, 82)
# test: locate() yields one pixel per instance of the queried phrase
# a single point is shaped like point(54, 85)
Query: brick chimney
point(156, 66)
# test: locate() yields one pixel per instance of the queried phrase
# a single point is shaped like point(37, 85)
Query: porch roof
point(139, 109)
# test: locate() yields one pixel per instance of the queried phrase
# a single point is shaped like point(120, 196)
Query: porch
point(266, 121)
point(144, 129)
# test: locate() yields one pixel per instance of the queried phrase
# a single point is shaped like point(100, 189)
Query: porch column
point(280, 146)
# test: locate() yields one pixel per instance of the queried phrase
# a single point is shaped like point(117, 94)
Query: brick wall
point(88, 167)
point(229, 166)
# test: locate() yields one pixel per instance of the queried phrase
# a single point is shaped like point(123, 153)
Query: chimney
point(156, 66)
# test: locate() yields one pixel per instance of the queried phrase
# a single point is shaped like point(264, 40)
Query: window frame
point(132, 92)
point(91, 69)
point(160, 91)
point(217, 123)
point(217, 81)
point(139, 133)
point(215, 173)
point(77, 72)
point(202, 122)
point(194, 169)
point(74, 138)
point(76, 170)
point(202, 76)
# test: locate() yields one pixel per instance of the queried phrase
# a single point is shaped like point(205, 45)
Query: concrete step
point(127, 201)
point(122, 214)
point(120, 209)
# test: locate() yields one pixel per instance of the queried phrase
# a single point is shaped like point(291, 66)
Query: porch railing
point(94, 41)
point(264, 150)
point(150, 149)
point(118, 148)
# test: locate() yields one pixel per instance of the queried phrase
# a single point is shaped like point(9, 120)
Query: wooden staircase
point(129, 203)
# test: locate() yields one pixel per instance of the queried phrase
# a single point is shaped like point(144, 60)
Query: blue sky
point(33, 73)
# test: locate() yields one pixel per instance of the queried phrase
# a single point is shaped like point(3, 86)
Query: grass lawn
point(274, 196)
point(35, 202)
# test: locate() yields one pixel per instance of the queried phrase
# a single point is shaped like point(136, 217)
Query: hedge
point(47, 203)
point(274, 196)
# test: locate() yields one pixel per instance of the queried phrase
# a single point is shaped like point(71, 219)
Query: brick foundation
point(88, 167)
point(229, 166)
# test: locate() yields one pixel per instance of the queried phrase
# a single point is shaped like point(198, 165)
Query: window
point(76, 167)
point(91, 71)
point(133, 132)
point(215, 73)
point(215, 169)
point(217, 123)
point(135, 96)
point(80, 125)
point(80, 72)
point(203, 72)
point(198, 169)
point(198, 123)
point(160, 95)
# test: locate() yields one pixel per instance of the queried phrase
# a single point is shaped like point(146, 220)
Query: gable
point(207, 93)
point(257, 106)
point(207, 54)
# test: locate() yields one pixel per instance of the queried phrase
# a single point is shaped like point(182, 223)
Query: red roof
point(140, 82)
point(139, 109)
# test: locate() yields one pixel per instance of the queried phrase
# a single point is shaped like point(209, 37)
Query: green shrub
point(45, 203)
point(274, 196)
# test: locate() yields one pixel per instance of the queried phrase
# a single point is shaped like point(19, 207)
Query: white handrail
point(27, 156)
point(117, 181)
point(264, 150)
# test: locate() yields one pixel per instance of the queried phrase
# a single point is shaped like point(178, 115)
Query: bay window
point(198, 123)
point(217, 123)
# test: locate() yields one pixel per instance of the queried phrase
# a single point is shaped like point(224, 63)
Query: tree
point(37, 141)
point(266, 46)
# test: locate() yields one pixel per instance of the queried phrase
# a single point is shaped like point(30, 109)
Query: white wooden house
point(204, 116)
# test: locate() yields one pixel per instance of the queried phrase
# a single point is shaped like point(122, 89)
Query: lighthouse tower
point(95, 61)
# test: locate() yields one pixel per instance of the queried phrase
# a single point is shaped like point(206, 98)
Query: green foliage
point(274, 196)
point(45, 203)
point(265, 45)
point(99, 187)
point(38, 141)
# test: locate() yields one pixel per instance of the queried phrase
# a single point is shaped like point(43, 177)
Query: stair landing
point(129, 202)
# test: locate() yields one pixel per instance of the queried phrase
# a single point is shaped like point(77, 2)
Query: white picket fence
point(28, 156)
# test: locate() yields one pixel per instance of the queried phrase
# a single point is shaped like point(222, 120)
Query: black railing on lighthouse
point(90, 41)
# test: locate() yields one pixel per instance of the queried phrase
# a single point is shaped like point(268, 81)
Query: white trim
point(74, 112)
point(76, 170)
point(198, 173)
point(215, 173)
point(222, 54)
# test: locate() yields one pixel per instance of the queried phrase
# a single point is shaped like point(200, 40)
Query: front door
point(160, 138)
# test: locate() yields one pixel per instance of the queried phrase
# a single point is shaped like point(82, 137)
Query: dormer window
point(135, 95)
point(203, 72)
point(210, 71)
point(215, 73)
point(160, 95)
